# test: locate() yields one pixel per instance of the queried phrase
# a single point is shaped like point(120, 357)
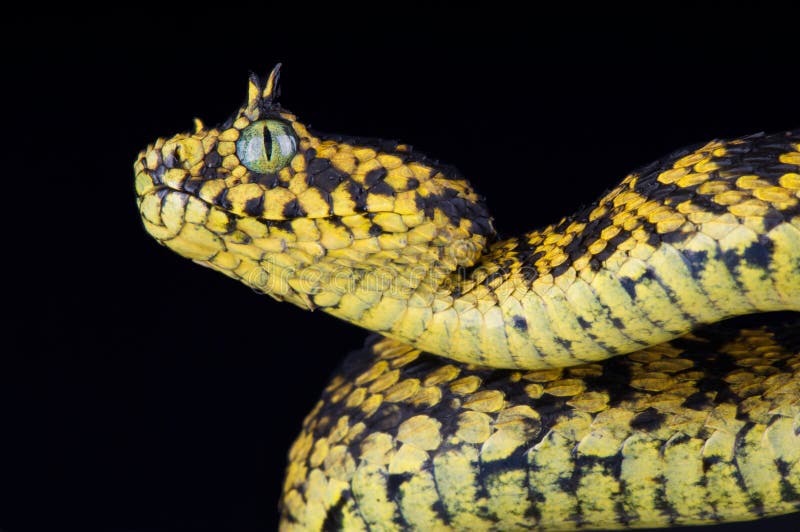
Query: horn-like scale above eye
point(266, 146)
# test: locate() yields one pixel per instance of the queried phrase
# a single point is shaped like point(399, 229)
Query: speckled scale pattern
point(668, 199)
point(689, 236)
point(702, 429)
point(607, 415)
point(386, 238)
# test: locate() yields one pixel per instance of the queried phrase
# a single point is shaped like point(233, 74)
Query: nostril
point(158, 175)
point(169, 158)
point(170, 155)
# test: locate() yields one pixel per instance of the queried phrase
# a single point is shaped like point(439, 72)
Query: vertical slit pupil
point(267, 142)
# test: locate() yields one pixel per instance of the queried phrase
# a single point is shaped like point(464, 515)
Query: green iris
point(266, 146)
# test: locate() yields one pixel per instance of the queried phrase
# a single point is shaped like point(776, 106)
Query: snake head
point(262, 198)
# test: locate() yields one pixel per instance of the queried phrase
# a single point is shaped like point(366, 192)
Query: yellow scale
point(389, 240)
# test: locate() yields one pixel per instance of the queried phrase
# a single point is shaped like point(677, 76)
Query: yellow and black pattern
point(579, 434)
point(705, 234)
point(700, 430)
point(340, 221)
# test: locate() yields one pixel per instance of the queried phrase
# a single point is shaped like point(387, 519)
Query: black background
point(140, 392)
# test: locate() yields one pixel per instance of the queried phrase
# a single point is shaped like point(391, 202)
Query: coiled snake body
point(584, 386)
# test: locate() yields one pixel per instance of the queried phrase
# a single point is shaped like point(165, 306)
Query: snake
point(636, 364)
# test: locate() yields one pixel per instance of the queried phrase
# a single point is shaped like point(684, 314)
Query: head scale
point(292, 212)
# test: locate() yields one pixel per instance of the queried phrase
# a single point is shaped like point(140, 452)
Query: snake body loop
point(622, 400)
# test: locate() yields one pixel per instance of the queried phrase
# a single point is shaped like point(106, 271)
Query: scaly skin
point(381, 236)
point(699, 430)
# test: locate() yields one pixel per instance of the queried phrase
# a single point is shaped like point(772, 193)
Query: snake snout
point(147, 178)
point(168, 164)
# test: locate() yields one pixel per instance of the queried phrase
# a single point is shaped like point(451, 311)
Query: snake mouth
point(184, 223)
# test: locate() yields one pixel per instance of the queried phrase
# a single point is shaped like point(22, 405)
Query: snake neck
point(704, 235)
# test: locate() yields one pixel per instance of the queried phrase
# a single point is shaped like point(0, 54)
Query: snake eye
point(266, 146)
